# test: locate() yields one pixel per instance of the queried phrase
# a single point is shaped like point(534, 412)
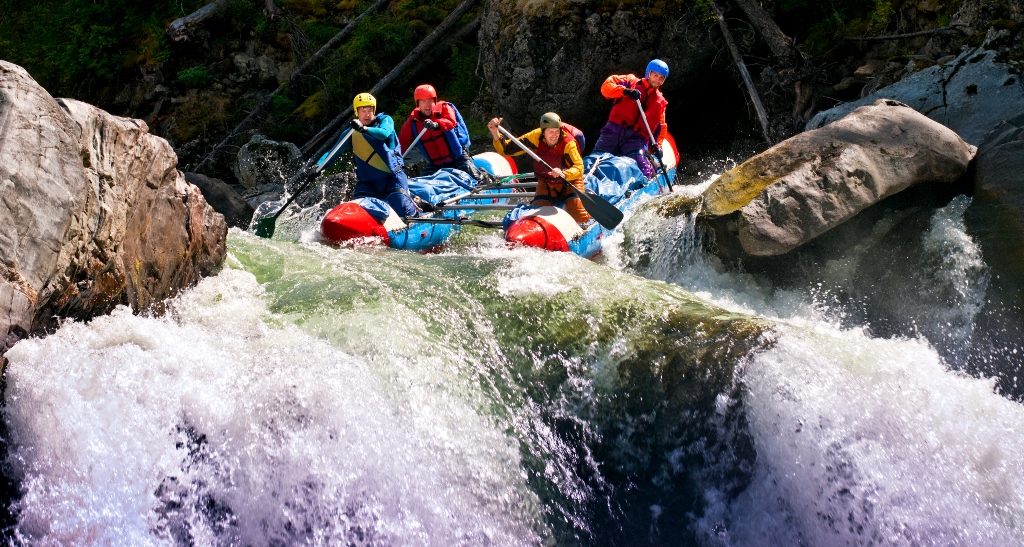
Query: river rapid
point(493, 396)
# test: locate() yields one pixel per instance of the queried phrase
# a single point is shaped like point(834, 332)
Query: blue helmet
point(658, 66)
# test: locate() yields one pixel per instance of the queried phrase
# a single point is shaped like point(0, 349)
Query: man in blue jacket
point(379, 167)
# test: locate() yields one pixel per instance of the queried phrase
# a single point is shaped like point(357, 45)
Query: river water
point(488, 396)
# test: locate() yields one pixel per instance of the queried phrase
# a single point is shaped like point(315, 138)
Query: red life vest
point(440, 147)
point(554, 156)
point(625, 112)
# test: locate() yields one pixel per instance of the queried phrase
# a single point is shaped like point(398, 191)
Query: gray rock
point(996, 215)
point(262, 161)
point(971, 95)
point(93, 212)
point(223, 199)
point(810, 183)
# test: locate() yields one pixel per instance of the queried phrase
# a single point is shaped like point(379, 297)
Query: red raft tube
point(350, 223)
point(553, 229)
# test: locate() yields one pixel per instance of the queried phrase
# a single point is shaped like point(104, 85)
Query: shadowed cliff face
point(553, 55)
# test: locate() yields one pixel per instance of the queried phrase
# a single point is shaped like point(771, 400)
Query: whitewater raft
point(456, 196)
point(369, 221)
point(616, 179)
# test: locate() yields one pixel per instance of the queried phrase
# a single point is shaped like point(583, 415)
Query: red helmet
point(425, 91)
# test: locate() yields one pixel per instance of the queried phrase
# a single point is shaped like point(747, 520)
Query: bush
point(197, 76)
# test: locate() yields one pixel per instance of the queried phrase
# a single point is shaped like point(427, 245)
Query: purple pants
point(623, 141)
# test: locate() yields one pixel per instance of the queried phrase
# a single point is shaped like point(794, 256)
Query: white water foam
point(222, 426)
point(860, 441)
point(863, 441)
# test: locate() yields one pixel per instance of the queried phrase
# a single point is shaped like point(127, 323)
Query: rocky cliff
point(553, 55)
point(94, 212)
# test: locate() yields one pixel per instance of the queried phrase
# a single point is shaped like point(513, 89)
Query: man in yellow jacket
point(557, 147)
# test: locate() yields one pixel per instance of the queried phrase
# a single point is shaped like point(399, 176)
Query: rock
point(810, 183)
point(542, 56)
point(262, 161)
point(223, 199)
point(971, 95)
point(996, 216)
point(94, 212)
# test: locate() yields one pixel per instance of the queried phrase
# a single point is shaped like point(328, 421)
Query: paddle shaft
point(264, 227)
point(603, 212)
point(643, 116)
point(416, 140)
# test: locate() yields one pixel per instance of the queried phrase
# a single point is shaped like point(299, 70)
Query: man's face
point(551, 135)
point(655, 79)
point(365, 114)
point(426, 106)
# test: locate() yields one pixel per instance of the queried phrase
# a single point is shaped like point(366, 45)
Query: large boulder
point(262, 162)
point(93, 212)
point(224, 199)
point(971, 95)
point(996, 215)
point(810, 183)
point(553, 56)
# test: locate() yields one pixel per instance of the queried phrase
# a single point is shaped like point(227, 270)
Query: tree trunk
point(387, 80)
point(294, 76)
point(178, 30)
point(780, 44)
point(762, 116)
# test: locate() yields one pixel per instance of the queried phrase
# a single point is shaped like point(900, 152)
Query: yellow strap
point(364, 151)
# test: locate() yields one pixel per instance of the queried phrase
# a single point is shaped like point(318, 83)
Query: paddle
point(264, 225)
point(603, 212)
point(416, 140)
point(654, 142)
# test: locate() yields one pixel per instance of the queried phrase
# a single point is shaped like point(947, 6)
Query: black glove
point(631, 93)
point(656, 150)
point(431, 125)
point(357, 125)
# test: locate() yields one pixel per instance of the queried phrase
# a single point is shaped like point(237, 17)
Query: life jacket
point(441, 147)
point(625, 112)
point(554, 156)
point(577, 134)
point(376, 159)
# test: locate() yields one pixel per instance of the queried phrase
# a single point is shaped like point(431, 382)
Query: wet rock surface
point(970, 94)
point(223, 198)
point(95, 213)
point(815, 181)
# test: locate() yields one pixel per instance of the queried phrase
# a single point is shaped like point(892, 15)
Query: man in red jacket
point(446, 142)
point(625, 133)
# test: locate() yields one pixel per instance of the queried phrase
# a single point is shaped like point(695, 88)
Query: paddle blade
point(264, 227)
point(264, 220)
point(600, 209)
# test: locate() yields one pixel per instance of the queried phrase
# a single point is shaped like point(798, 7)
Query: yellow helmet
point(364, 99)
point(550, 119)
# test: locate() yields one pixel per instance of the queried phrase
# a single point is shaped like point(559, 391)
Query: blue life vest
point(376, 159)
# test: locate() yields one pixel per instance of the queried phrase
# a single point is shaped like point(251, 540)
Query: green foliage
point(76, 47)
point(879, 18)
point(465, 85)
point(282, 106)
point(707, 15)
point(197, 76)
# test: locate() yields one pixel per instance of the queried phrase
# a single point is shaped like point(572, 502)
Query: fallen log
point(949, 28)
point(414, 55)
point(178, 30)
point(294, 76)
point(780, 44)
point(762, 116)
